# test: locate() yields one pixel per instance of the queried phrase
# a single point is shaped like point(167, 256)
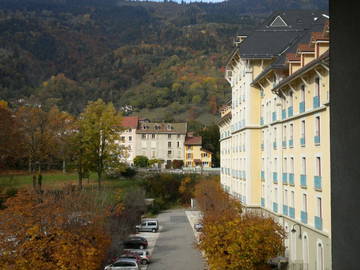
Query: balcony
point(303, 180)
point(317, 140)
point(302, 141)
point(292, 212)
point(262, 176)
point(302, 107)
point(275, 178)
point(262, 202)
point(290, 111)
point(318, 223)
point(275, 207)
point(261, 121)
point(284, 178)
point(274, 145)
point(291, 179)
point(291, 143)
point(317, 182)
point(284, 144)
point(316, 102)
point(285, 210)
point(274, 116)
point(304, 217)
point(283, 114)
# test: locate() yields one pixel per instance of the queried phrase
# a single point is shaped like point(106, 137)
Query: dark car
point(128, 255)
point(136, 242)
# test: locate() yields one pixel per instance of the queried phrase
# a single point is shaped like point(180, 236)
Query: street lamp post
point(294, 231)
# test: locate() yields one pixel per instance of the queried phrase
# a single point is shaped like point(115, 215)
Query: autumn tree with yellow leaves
point(232, 239)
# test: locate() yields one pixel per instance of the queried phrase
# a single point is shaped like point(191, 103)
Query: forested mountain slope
point(164, 59)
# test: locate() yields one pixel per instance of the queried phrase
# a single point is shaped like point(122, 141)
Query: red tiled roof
point(293, 57)
point(130, 122)
point(318, 36)
point(305, 48)
point(193, 140)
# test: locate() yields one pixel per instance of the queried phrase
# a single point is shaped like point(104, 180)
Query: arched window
point(306, 252)
point(293, 246)
point(320, 257)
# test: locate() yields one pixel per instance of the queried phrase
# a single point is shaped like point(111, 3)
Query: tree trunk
point(30, 167)
point(99, 179)
point(64, 166)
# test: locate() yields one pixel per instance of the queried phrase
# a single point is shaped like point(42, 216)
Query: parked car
point(148, 225)
point(198, 227)
point(128, 255)
point(143, 254)
point(123, 264)
point(136, 242)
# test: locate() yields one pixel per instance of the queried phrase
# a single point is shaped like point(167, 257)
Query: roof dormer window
point(278, 22)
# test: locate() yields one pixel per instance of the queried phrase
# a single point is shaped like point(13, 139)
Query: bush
point(129, 172)
point(141, 161)
point(11, 192)
point(177, 163)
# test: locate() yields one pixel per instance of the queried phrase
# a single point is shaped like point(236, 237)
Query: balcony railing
point(302, 107)
point(292, 212)
point(316, 102)
point(303, 180)
point(262, 202)
point(275, 207)
point(317, 182)
point(291, 179)
point(304, 217)
point(284, 178)
point(290, 111)
point(285, 210)
point(302, 141)
point(283, 114)
point(262, 176)
point(318, 223)
point(274, 116)
point(291, 143)
point(317, 139)
point(275, 178)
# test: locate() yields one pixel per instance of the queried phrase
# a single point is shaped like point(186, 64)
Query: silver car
point(144, 254)
point(148, 225)
point(123, 264)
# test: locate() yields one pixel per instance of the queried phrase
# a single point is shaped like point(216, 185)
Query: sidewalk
point(195, 217)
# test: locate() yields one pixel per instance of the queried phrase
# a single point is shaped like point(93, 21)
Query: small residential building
point(195, 155)
point(161, 140)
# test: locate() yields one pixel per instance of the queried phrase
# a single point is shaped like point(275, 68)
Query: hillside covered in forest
point(164, 60)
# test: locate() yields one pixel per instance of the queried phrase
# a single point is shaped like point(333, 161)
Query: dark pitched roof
point(175, 128)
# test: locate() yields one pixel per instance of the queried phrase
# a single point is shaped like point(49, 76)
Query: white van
point(148, 225)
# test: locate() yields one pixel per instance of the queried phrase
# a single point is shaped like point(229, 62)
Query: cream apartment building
point(128, 138)
point(275, 135)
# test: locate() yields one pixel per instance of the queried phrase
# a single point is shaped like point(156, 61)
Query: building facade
point(275, 143)
point(195, 155)
point(128, 138)
point(161, 140)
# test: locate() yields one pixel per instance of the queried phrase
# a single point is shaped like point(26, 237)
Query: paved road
point(174, 249)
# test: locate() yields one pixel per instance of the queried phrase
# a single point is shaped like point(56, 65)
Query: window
point(188, 156)
point(169, 136)
point(318, 207)
point(320, 257)
point(178, 144)
point(318, 166)
point(169, 144)
point(286, 197)
point(317, 126)
point(130, 138)
point(291, 98)
point(303, 129)
point(143, 136)
point(292, 165)
point(169, 153)
point(123, 139)
point(302, 93)
point(306, 252)
point(303, 166)
point(275, 195)
point(152, 154)
point(291, 131)
point(292, 199)
point(153, 136)
point(317, 86)
point(178, 136)
point(275, 164)
point(284, 165)
point(304, 205)
point(284, 134)
point(169, 127)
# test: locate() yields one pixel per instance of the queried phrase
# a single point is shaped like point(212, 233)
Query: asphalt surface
point(175, 247)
